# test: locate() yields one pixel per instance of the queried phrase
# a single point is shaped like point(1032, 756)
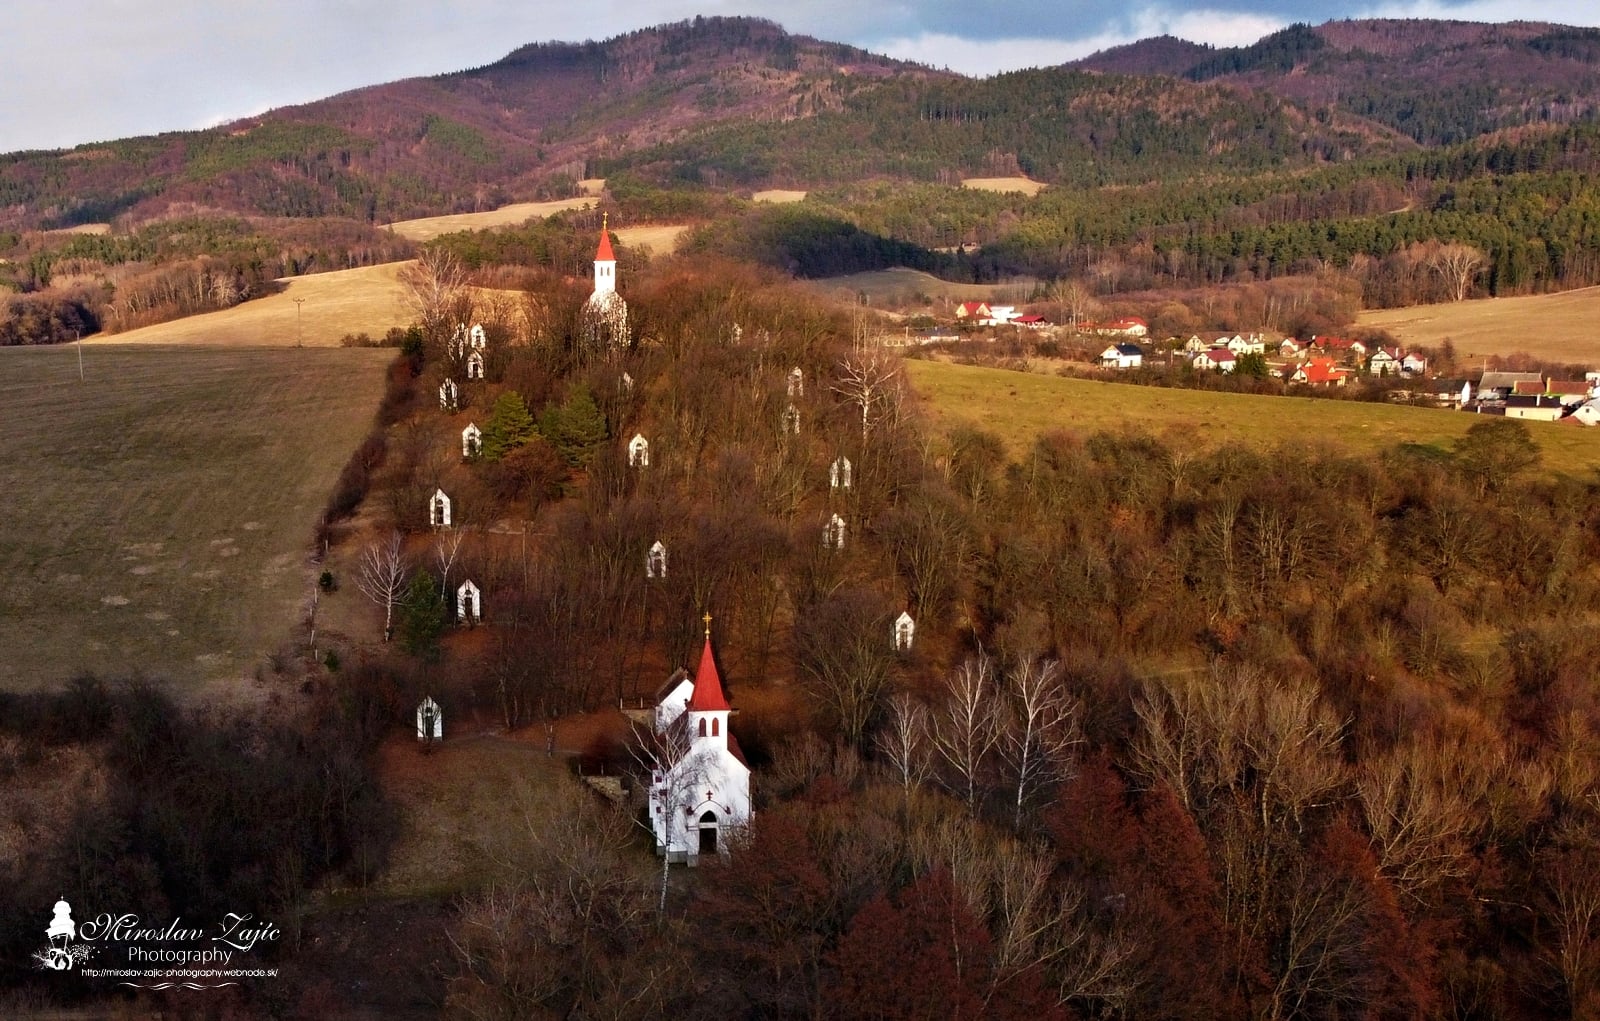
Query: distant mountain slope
point(739, 102)
point(1054, 125)
point(1435, 81)
point(1162, 54)
point(459, 142)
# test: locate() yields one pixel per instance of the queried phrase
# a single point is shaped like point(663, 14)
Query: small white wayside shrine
point(797, 383)
point(696, 800)
point(471, 440)
point(655, 561)
point(475, 365)
point(469, 603)
point(905, 629)
point(439, 509)
point(839, 473)
point(463, 340)
point(833, 534)
point(449, 395)
point(791, 420)
point(430, 721)
point(638, 452)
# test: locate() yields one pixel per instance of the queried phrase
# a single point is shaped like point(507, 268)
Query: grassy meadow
point(157, 516)
point(365, 300)
point(1558, 327)
point(1023, 185)
point(1019, 406)
point(430, 227)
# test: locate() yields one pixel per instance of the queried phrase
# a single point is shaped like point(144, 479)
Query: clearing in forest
point(905, 289)
point(1556, 327)
point(430, 227)
point(661, 239)
point(778, 195)
point(1020, 406)
point(159, 514)
point(1003, 184)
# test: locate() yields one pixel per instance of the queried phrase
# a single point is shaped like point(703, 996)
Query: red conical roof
point(708, 694)
point(604, 253)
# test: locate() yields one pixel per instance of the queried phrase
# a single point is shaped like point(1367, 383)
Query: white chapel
point(605, 314)
point(705, 793)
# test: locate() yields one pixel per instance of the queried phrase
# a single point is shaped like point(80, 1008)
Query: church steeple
point(605, 262)
point(708, 694)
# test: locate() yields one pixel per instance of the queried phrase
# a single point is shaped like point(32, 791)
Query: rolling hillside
point(1435, 81)
point(522, 128)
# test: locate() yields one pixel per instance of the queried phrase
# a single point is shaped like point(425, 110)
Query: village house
point(1290, 348)
point(1219, 359)
point(973, 311)
point(1251, 345)
point(1413, 365)
point(1320, 372)
point(1571, 392)
point(1537, 407)
point(1128, 326)
point(1502, 384)
point(1341, 349)
point(1194, 345)
point(1384, 361)
point(1122, 356)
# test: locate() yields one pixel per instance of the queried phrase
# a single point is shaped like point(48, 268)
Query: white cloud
point(992, 56)
point(1560, 12)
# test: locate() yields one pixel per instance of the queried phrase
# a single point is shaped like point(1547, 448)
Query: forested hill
point(520, 128)
point(1435, 81)
point(1056, 125)
point(738, 102)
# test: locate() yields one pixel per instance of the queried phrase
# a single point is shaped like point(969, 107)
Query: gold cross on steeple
point(707, 619)
point(605, 221)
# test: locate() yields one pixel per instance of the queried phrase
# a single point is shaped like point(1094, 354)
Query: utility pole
point(299, 324)
point(77, 342)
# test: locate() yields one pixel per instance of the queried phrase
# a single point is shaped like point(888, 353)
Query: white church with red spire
point(704, 794)
point(605, 314)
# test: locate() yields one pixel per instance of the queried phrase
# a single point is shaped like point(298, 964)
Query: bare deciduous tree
point(676, 773)
point(903, 743)
point(446, 548)
point(871, 382)
point(967, 728)
point(1457, 265)
point(432, 288)
point(381, 577)
point(1041, 728)
point(1421, 806)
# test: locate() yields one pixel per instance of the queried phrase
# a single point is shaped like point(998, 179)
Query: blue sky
point(88, 70)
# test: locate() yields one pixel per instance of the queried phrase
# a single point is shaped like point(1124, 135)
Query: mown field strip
point(156, 517)
point(1020, 406)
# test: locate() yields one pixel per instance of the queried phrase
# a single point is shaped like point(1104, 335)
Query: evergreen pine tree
point(510, 426)
point(576, 427)
point(422, 617)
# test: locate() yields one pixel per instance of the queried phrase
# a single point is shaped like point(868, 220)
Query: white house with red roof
point(1320, 372)
point(705, 792)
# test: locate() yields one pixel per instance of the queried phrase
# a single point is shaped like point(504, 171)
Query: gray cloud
point(88, 70)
